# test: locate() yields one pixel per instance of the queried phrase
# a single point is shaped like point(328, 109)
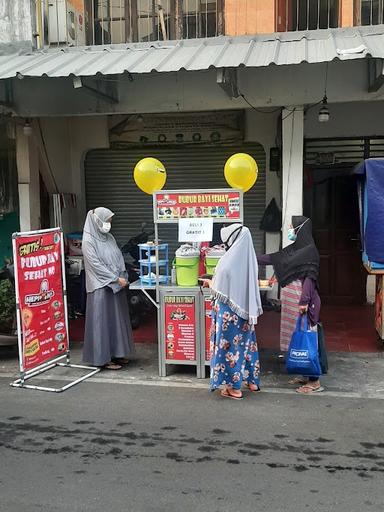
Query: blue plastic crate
point(147, 262)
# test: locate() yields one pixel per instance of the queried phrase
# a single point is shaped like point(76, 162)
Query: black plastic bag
point(322, 350)
point(271, 220)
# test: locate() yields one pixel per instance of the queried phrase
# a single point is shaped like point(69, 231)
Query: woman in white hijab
point(237, 306)
point(108, 339)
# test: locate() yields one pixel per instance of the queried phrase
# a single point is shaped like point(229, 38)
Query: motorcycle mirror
point(143, 226)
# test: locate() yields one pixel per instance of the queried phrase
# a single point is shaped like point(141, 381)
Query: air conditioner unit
point(66, 22)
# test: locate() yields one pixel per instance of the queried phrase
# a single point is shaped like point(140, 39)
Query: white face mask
point(106, 227)
point(228, 236)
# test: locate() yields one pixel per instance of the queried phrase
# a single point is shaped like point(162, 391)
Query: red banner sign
point(208, 323)
point(219, 205)
point(38, 260)
point(180, 328)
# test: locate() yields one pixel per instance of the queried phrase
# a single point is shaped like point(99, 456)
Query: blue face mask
point(292, 235)
point(292, 232)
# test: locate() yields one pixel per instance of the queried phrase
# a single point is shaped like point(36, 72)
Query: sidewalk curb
point(379, 395)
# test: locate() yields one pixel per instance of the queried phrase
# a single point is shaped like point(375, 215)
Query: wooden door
point(336, 228)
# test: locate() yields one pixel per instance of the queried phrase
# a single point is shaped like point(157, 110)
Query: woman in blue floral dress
point(237, 306)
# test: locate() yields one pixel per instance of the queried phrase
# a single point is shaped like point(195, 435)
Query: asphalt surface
point(116, 447)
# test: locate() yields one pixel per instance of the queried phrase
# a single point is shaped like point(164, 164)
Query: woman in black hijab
point(297, 271)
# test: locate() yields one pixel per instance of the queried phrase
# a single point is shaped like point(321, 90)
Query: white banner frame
point(55, 361)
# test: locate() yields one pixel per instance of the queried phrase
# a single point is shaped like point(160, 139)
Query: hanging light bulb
point(27, 128)
point(324, 111)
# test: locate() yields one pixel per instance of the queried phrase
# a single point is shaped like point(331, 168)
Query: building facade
point(93, 86)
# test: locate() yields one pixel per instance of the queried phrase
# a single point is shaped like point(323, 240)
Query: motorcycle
point(8, 306)
point(139, 304)
point(8, 272)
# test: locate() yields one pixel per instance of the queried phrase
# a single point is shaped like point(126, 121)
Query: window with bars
point(368, 12)
point(87, 22)
point(294, 15)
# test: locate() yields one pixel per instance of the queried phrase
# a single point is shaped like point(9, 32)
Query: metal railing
point(368, 12)
point(98, 22)
point(293, 15)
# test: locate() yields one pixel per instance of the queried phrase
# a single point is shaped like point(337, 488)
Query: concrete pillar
point(28, 181)
point(293, 146)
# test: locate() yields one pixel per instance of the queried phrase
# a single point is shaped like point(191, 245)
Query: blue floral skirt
point(234, 352)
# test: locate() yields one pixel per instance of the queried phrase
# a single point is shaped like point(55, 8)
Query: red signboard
point(220, 205)
point(180, 328)
point(39, 287)
point(208, 324)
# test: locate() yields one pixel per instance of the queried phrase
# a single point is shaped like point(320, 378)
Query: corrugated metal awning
point(199, 54)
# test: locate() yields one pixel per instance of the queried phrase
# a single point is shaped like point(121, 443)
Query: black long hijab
point(300, 259)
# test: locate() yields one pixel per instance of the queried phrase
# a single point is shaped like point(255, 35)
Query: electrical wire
point(278, 109)
point(259, 109)
point(46, 156)
point(290, 113)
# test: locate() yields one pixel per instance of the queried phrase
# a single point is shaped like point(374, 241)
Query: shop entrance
point(331, 202)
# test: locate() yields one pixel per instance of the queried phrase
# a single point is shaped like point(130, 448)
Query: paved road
point(104, 447)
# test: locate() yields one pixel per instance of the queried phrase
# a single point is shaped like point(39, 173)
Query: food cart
point(371, 206)
point(184, 311)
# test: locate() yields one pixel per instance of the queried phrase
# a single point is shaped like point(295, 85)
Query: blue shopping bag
point(303, 352)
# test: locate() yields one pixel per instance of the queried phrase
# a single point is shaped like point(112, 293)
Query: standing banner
point(42, 318)
point(41, 299)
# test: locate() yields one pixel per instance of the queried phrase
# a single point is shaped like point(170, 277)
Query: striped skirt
point(290, 298)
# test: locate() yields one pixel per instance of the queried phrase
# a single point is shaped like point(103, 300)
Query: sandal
point(226, 394)
point(122, 360)
point(112, 366)
point(298, 380)
point(257, 390)
point(309, 390)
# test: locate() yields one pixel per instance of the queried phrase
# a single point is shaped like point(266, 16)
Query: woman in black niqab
point(297, 271)
point(300, 259)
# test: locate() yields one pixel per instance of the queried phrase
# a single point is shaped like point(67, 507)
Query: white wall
point(86, 133)
point(57, 152)
point(56, 136)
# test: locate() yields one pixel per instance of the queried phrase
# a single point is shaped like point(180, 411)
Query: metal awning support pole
point(161, 352)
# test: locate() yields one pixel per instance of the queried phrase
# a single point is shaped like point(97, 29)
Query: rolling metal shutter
point(109, 183)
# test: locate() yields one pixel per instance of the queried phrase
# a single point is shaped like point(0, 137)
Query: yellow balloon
point(241, 171)
point(150, 175)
